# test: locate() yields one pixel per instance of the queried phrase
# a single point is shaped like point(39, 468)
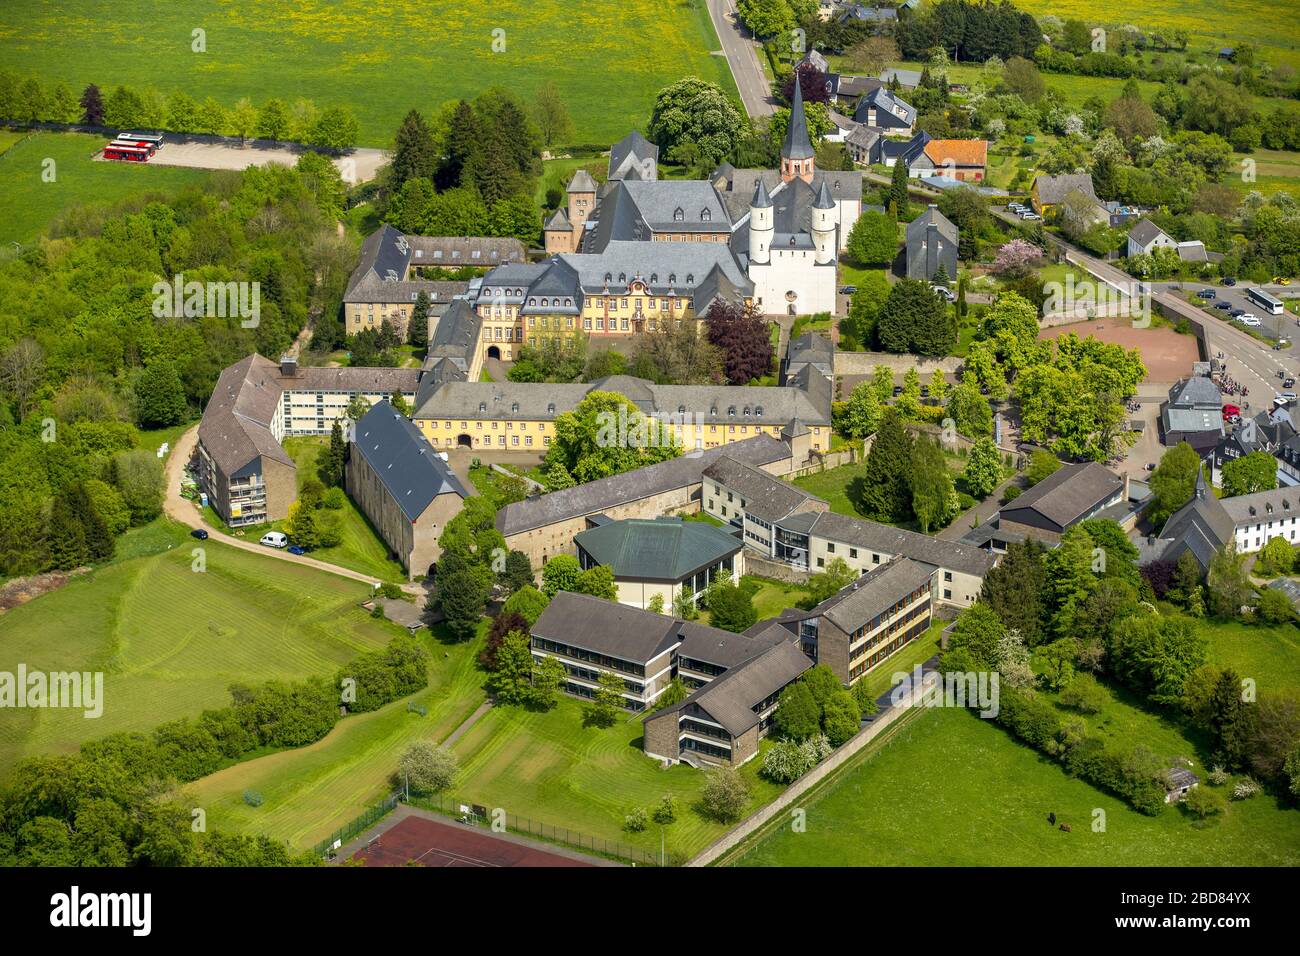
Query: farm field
point(31, 202)
point(1269, 655)
point(170, 641)
point(381, 59)
point(989, 806)
point(1275, 171)
point(311, 791)
point(1269, 24)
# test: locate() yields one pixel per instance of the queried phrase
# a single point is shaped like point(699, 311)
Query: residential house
point(1146, 237)
point(963, 160)
point(1047, 192)
point(1068, 496)
point(884, 110)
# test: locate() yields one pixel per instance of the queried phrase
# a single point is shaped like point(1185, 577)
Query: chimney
point(288, 366)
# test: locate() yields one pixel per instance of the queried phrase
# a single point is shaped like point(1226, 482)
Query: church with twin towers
point(785, 228)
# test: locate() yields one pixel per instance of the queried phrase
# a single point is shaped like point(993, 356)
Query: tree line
point(29, 100)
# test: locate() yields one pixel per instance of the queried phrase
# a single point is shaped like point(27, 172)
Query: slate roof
point(606, 627)
point(643, 153)
point(886, 539)
point(917, 229)
point(605, 493)
point(581, 182)
point(1194, 405)
point(677, 268)
point(737, 186)
point(1067, 494)
point(797, 145)
point(766, 496)
point(403, 460)
point(1053, 189)
point(456, 251)
point(1146, 232)
point(387, 254)
point(236, 425)
point(657, 549)
point(1202, 526)
point(885, 102)
point(1263, 506)
point(634, 210)
point(876, 591)
point(905, 151)
point(730, 699)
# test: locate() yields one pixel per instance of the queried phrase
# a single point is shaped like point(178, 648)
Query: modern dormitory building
point(248, 477)
point(784, 523)
point(737, 677)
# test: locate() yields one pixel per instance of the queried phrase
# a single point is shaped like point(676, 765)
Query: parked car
point(1151, 466)
point(295, 549)
point(848, 290)
point(275, 539)
point(1281, 280)
point(1288, 396)
point(200, 534)
point(1225, 306)
point(1207, 294)
point(1237, 313)
point(1288, 382)
point(1230, 410)
point(1028, 216)
point(944, 291)
point(898, 390)
point(1248, 319)
point(1228, 280)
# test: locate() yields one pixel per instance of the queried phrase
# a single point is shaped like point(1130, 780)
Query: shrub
point(1245, 789)
point(1203, 803)
point(785, 762)
point(666, 811)
point(725, 795)
point(635, 821)
point(253, 798)
point(1219, 776)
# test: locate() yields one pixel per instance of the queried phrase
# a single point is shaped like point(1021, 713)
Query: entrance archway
point(464, 441)
point(493, 352)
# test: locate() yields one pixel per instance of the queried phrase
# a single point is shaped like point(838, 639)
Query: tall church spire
point(797, 151)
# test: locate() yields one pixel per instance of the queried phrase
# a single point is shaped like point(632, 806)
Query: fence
point(359, 825)
point(451, 806)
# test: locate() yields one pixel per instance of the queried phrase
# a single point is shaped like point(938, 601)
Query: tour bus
point(138, 144)
point(153, 139)
point(1268, 303)
point(129, 154)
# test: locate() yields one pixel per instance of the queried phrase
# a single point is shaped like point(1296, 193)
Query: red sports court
point(432, 843)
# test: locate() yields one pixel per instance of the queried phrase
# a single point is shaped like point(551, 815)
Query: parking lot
point(1271, 326)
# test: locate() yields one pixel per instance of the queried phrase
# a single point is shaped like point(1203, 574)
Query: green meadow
point(171, 639)
point(950, 789)
point(42, 174)
point(608, 57)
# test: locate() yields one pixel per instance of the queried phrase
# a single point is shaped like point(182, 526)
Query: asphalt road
point(742, 57)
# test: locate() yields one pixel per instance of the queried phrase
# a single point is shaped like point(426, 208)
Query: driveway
point(187, 513)
point(742, 56)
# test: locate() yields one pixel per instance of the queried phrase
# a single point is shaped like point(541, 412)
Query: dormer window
point(758, 409)
point(514, 408)
point(705, 215)
point(746, 411)
point(609, 276)
point(690, 278)
point(678, 215)
point(731, 411)
point(713, 409)
point(550, 409)
point(622, 278)
point(482, 406)
point(672, 278)
point(681, 409)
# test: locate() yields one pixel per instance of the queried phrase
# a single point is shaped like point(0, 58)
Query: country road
point(742, 56)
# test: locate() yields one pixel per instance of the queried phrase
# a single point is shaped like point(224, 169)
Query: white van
point(275, 539)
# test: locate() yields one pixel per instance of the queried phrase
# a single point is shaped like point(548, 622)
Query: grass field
point(362, 549)
point(1269, 24)
point(311, 791)
point(543, 766)
point(1274, 171)
point(547, 766)
point(170, 641)
point(30, 201)
point(1269, 655)
point(950, 789)
point(607, 57)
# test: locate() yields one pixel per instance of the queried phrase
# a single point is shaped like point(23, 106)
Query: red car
point(1230, 411)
